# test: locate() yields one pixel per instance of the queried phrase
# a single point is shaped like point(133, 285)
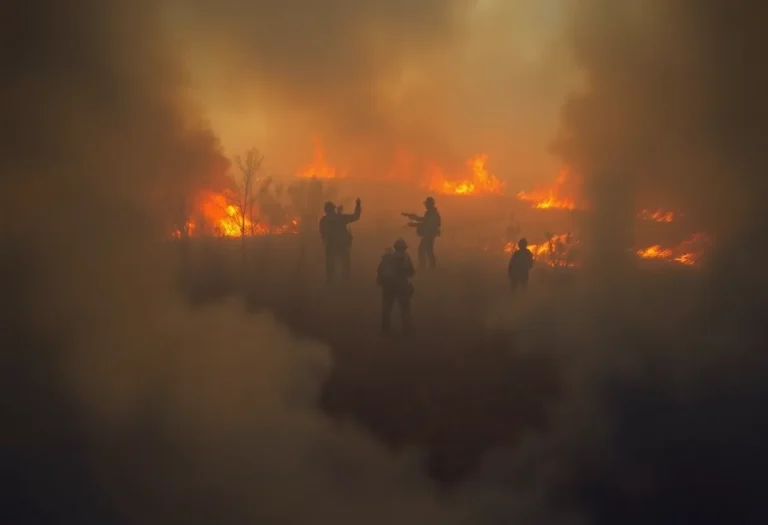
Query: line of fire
point(481, 212)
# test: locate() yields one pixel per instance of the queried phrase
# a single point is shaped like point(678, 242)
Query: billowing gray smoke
point(674, 109)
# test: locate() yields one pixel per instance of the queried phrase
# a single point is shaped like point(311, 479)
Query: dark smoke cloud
point(673, 110)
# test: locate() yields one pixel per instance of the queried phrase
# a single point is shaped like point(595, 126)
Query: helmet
point(429, 201)
point(329, 207)
point(522, 243)
point(400, 245)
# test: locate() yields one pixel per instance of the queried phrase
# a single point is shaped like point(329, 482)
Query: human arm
point(354, 216)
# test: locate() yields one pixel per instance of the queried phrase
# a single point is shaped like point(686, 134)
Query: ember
point(658, 215)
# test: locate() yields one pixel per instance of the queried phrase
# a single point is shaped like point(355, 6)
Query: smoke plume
point(672, 109)
point(441, 80)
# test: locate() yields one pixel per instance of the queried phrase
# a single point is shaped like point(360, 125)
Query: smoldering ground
point(122, 404)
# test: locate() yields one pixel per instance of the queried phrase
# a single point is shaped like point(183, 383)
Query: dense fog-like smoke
point(123, 404)
point(673, 108)
point(120, 404)
point(441, 80)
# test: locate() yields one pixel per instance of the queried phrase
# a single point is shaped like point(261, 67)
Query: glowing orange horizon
point(318, 168)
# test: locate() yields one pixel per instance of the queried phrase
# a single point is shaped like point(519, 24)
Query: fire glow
point(319, 167)
point(218, 216)
point(224, 214)
point(551, 198)
point(558, 251)
point(480, 180)
point(657, 216)
point(688, 252)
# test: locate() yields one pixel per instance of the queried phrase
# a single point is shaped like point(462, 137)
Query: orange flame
point(554, 252)
point(217, 212)
point(481, 180)
point(319, 167)
point(688, 252)
point(552, 197)
point(654, 252)
point(557, 251)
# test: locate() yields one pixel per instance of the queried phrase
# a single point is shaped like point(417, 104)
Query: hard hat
point(429, 200)
point(400, 245)
point(329, 207)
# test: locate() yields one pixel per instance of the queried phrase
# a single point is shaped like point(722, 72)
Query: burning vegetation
point(688, 252)
point(559, 196)
point(560, 250)
point(221, 215)
point(270, 209)
point(479, 180)
point(557, 250)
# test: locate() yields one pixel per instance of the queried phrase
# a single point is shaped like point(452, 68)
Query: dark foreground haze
point(137, 389)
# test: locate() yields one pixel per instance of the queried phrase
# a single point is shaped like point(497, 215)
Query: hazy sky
point(489, 77)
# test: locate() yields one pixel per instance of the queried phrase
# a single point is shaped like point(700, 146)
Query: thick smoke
point(442, 80)
point(673, 109)
point(120, 404)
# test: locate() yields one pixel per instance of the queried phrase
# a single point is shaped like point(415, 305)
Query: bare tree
point(249, 167)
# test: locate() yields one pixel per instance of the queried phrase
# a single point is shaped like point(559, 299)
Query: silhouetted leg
point(346, 262)
point(404, 303)
point(518, 283)
point(330, 264)
point(387, 303)
point(422, 252)
point(430, 251)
